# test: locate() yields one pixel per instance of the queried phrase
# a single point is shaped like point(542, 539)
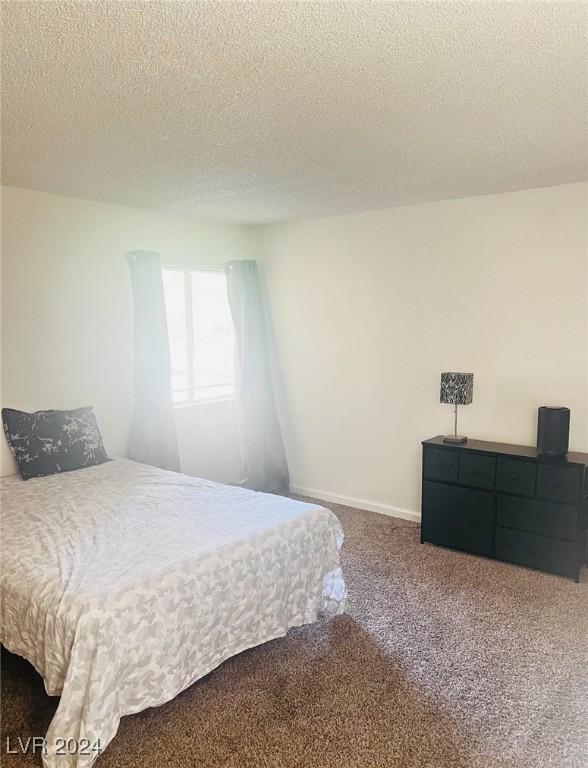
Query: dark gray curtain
point(153, 433)
point(262, 449)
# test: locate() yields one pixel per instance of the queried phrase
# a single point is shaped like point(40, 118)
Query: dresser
point(506, 502)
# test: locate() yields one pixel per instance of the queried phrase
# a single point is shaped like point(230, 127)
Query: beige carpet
point(442, 660)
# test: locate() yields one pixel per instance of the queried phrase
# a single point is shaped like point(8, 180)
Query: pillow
point(46, 442)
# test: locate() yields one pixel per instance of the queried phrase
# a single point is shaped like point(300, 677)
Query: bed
point(123, 584)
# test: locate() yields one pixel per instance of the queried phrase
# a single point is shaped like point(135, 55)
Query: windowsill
point(204, 401)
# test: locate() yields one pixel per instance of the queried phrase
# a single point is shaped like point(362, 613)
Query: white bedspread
point(123, 584)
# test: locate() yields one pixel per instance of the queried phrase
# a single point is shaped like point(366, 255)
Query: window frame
point(192, 389)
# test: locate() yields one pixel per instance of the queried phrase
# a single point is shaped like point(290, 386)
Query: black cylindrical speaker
point(553, 431)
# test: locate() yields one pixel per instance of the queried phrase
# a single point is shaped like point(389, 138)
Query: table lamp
point(457, 389)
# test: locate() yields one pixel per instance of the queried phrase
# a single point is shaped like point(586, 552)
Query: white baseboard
point(349, 501)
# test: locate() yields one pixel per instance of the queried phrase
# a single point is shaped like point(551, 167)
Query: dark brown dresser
point(506, 502)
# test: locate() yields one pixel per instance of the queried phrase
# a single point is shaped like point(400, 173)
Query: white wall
point(66, 315)
point(367, 310)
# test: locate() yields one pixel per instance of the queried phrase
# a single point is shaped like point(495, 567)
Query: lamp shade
point(457, 388)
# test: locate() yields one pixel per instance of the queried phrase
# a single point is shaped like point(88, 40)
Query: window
point(201, 336)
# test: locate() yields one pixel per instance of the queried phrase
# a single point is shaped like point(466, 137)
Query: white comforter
point(123, 584)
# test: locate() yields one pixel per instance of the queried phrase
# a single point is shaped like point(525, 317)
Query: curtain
point(262, 449)
point(153, 434)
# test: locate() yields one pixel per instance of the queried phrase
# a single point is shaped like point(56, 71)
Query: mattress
point(123, 584)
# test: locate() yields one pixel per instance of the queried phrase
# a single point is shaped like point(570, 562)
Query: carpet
point(442, 659)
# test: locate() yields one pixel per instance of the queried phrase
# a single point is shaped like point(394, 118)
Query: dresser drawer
point(477, 470)
point(459, 503)
point(467, 537)
point(559, 483)
point(539, 517)
point(515, 476)
point(536, 551)
point(457, 518)
point(440, 464)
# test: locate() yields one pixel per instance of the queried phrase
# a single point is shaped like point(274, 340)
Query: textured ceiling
point(257, 111)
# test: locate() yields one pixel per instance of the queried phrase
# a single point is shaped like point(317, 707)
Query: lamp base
point(454, 439)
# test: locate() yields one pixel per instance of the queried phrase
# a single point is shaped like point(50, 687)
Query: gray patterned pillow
point(46, 442)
